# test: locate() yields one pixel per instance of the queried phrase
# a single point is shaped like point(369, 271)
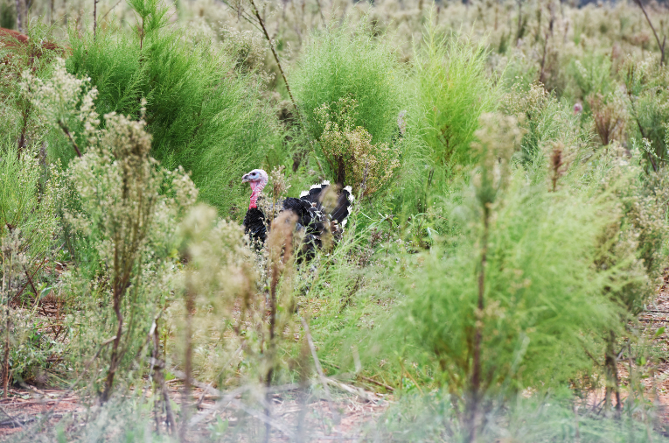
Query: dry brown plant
point(349, 150)
point(610, 118)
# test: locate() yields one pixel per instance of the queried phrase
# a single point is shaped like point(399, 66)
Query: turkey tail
point(342, 206)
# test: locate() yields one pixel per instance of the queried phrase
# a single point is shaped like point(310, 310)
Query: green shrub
point(454, 90)
point(591, 75)
point(544, 119)
point(336, 64)
point(27, 201)
point(349, 152)
point(648, 107)
point(517, 287)
point(125, 209)
point(203, 115)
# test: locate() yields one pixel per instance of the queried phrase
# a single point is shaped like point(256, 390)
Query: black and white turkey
point(316, 214)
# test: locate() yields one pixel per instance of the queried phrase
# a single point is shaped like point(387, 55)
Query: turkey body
point(314, 217)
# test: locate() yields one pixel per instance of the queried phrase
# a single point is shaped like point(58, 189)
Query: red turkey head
point(257, 179)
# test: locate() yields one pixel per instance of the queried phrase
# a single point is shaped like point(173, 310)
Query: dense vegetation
point(511, 222)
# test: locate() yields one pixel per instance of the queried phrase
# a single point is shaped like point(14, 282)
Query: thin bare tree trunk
point(6, 283)
point(662, 44)
point(475, 398)
point(115, 355)
point(19, 19)
point(276, 57)
point(5, 365)
point(159, 378)
point(190, 308)
point(95, 18)
point(611, 368)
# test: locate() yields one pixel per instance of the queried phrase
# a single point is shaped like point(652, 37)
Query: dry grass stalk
point(609, 117)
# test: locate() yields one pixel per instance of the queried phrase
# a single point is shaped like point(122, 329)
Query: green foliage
point(126, 206)
point(500, 264)
point(220, 273)
point(454, 90)
point(541, 297)
point(349, 150)
point(636, 240)
point(556, 417)
point(337, 64)
point(544, 119)
point(27, 201)
point(591, 75)
point(203, 115)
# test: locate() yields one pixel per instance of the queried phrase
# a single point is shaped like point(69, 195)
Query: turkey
point(314, 215)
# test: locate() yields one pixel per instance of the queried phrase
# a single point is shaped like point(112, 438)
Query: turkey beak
point(245, 178)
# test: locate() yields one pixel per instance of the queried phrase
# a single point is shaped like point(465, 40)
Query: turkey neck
point(257, 187)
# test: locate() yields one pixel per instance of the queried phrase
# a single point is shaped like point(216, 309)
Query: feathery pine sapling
point(513, 288)
point(339, 62)
point(496, 141)
point(454, 91)
point(179, 71)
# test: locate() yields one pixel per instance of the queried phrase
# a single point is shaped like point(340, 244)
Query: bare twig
point(241, 13)
point(18, 425)
point(319, 369)
point(76, 382)
point(657, 38)
point(276, 57)
point(641, 131)
point(19, 10)
point(317, 363)
point(190, 308)
point(5, 364)
point(110, 10)
point(95, 18)
point(204, 391)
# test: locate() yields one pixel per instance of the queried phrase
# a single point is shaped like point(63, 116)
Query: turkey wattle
point(313, 215)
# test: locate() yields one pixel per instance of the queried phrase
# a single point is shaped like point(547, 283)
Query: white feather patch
point(350, 196)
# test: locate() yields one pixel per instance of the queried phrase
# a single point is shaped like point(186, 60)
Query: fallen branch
point(11, 419)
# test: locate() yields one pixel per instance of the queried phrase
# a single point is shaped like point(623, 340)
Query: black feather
point(254, 225)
